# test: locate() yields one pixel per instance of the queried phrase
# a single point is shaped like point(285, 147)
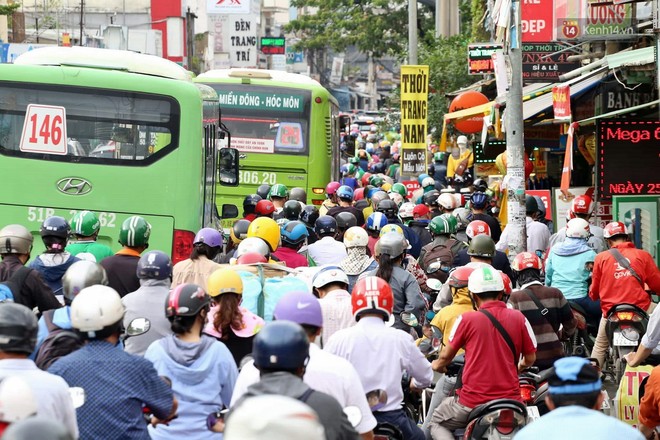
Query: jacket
point(122, 271)
point(52, 268)
point(447, 316)
point(407, 295)
point(147, 302)
point(291, 257)
point(89, 248)
point(420, 228)
point(35, 293)
point(500, 262)
point(193, 271)
point(239, 340)
point(566, 267)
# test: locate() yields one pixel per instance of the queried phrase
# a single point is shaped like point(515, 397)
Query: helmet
point(582, 205)
point(392, 244)
point(421, 178)
point(365, 179)
point(350, 169)
point(292, 210)
point(266, 229)
point(443, 224)
point(447, 201)
point(399, 188)
point(345, 220)
point(208, 236)
point(17, 400)
point(378, 196)
point(420, 210)
point(224, 281)
point(250, 203)
point(186, 300)
point(82, 274)
point(294, 233)
point(372, 295)
point(392, 227)
point(431, 198)
point(614, 228)
point(15, 239)
point(355, 236)
point(376, 221)
point(300, 307)
point(134, 232)
point(95, 308)
point(298, 194)
point(388, 207)
point(480, 185)
point(281, 345)
point(85, 223)
point(577, 228)
point(331, 188)
point(251, 258)
point(479, 200)
point(458, 277)
point(345, 192)
point(278, 190)
point(309, 215)
point(238, 231)
point(477, 227)
point(461, 140)
point(439, 156)
point(55, 226)
point(154, 265)
point(252, 245)
point(396, 198)
point(541, 205)
point(265, 208)
point(526, 260)
point(18, 328)
point(325, 225)
point(530, 204)
point(485, 278)
point(376, 181)
point(482, 246)
point(36, 427)
point(463, 216)
point(263, 190)
point(358, 194)
point(508, 285)
point(428, 181)
point(329, 274)
point(406, 210)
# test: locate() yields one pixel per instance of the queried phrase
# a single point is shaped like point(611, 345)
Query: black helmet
point(309, 215)
point(55, 226)
point(18, 328)
point(431, 198)
point(345, 220)
point(154, 265)
point(186, 300)
point(36, 427)
point(250, 203)
point(239, 230)
point(281, 345)
point(388, 207)
point(298, 194)
point(291, 210)
point(325, 225)
point(480, 185)
point(263, 190)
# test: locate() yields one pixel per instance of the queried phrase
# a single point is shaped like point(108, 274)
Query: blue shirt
point(116, 385)
point(578, 422)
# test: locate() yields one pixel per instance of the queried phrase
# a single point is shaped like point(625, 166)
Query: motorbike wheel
point(619, 367)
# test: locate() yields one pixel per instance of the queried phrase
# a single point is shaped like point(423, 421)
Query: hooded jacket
point(147, 302)
point(420, 227)
point(203, 375)
point(447, 316)
point(566, 267)
point(52, 268)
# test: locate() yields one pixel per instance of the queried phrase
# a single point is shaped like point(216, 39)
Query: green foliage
point(9, 9)
point(478, 31)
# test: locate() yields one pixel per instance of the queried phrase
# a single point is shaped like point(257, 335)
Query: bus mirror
point(229, 211)
point(228, 167)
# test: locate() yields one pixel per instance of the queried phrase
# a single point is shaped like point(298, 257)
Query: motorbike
point(626, 324)
point(581, 343)
point(435, 286)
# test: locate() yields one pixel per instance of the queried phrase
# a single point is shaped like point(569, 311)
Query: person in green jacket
point(85, 226)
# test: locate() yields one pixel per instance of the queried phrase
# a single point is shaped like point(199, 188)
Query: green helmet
point(376, 181)
point(439, 156)
point(399, 188)
point(85, 223)
point(443, 224)
point(278, 190)
point(359, 173)
point(134, 232)
point(351, 169)
point(482, 246)
point(354, 160)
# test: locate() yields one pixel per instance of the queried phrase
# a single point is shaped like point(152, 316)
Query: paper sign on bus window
point(289, 136)
point(44, 130)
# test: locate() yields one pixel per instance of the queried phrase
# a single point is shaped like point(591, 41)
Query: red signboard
point(544, 194)
point(561, 101)
point(537, 23)
point(411, 186)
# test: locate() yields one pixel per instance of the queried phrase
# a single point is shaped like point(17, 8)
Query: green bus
point(285, 127)
point(114, 132)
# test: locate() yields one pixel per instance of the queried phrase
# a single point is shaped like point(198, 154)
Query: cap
point(420, 210)
point(574, 375)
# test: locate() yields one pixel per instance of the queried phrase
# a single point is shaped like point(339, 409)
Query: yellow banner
point(414, 112)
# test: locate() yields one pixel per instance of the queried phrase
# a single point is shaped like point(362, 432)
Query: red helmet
point(477, 227)
point(372, 295)
point(526, 260)
point(358, 194)
point(251, 258)
point(459, 277)
point(365, 179)
point(331, 188)
point(264, 208)
point(508, 285)
point(614, 228)
point(582, 205)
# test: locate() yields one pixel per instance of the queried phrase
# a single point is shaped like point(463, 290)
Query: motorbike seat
point(494, 405)
point(544, 375)
point(578, 308)
point(388, 431)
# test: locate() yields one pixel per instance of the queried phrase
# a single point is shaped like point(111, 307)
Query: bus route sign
point(261, 101)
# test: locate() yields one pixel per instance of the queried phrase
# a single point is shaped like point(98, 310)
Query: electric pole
point(82, 20)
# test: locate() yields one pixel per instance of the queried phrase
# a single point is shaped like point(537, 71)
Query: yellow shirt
point(446, 317)
point(452, 164)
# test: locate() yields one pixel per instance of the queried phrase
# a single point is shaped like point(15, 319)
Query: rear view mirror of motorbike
point(434, 284)
point(409, 319)
point(138, 326)
point(376, 399)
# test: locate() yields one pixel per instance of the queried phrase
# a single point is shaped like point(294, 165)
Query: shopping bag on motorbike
point(626, 401)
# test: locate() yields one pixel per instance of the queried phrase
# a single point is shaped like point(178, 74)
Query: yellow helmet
point(386, 187)
point(224, 281)
point(391, 228)
point(267, 229)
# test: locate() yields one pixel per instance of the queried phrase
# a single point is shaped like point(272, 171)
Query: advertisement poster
point(537, 20)
point(561, 102)
point(414, 113)
point(228, 6)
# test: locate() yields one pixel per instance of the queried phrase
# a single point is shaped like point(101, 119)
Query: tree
point(9, 9)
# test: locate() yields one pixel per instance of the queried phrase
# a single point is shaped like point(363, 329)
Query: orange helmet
point(372, 295)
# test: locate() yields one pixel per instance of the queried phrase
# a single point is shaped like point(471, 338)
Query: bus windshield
point(261, 121)
point(86, 125)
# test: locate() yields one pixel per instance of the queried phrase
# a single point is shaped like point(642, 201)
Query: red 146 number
point(50, 130)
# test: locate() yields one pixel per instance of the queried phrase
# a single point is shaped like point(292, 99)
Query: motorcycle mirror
point(409, 319)
point(434, 284)
point(433, 267)
point(437, 334)
point(354, 415)
point(77, 396)
point(138, 326)
point(376, 399)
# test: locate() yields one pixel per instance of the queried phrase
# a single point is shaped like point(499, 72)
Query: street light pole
point(412, 32)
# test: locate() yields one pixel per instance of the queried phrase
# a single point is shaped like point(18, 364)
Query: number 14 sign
point(44, 130)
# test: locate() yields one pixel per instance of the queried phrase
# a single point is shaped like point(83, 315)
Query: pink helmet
point(332, 188)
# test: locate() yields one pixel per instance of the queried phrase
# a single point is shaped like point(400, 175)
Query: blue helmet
point(373, 191)
point(345, 192)
point(55, 226)
point(376, 221)
point(422, 177)
point(325, 225)
point(294, 232)
point(479, 200)
point(281, 346)
point(154, 265)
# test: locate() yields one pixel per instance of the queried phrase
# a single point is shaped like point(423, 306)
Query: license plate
point(620, 340)
point(533, 413)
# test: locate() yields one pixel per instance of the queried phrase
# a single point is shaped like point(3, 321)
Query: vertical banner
point(568, 160)
point(561, 102)
point(414, 111)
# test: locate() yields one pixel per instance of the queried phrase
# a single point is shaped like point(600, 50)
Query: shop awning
point(637, 57)
point(619, 112)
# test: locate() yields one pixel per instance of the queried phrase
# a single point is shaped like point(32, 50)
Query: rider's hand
point(413, 388)
point(435, 365)
point(173, 415)
point(629, 358)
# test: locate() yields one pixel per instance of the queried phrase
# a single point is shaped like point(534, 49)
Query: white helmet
point(95, 308)
point(280, 418)
point(577, 228)
point(252, 244)
point(406, 210)
point(398, 199)
point(464, 217)
point(462, 140)
point(356, 236)
point(17, 401)
point(329, 274)
point(15, 239)
point(428, 181)
point(447, 201)
point(485, 278)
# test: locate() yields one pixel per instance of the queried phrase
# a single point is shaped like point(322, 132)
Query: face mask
point(455, 152)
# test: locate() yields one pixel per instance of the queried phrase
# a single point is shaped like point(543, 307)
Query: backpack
point(441, 253)
point(57, 344)
point(11, 288)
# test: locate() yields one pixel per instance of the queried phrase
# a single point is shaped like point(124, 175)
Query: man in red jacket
point(613, 283)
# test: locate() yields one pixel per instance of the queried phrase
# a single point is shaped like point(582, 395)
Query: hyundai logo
point(74, 186)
